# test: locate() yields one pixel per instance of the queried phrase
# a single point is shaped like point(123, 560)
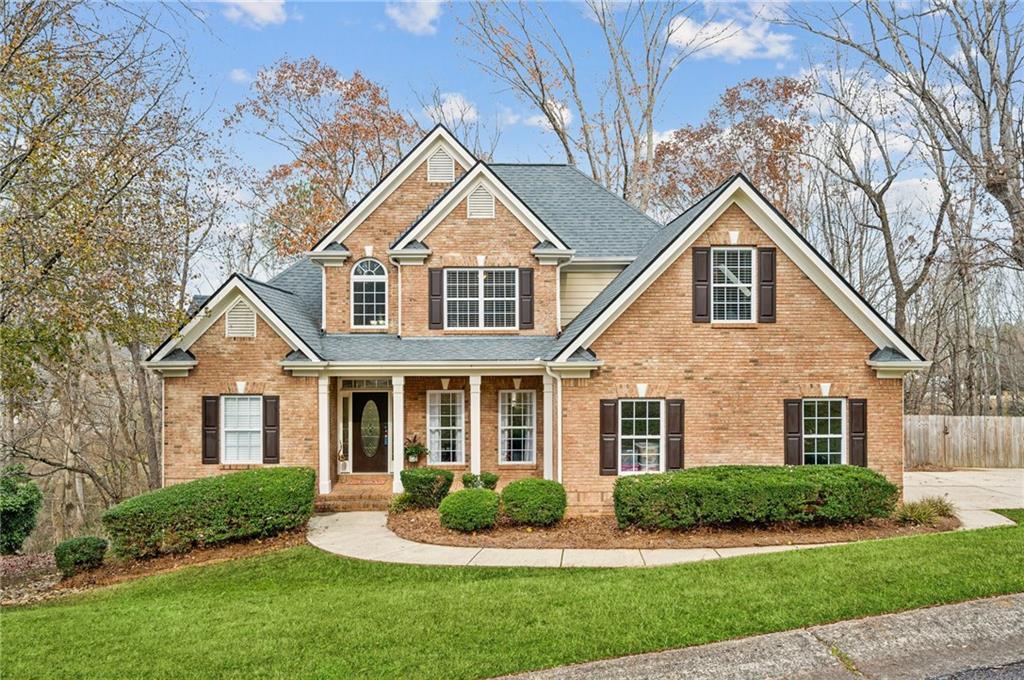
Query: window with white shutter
point(440, 167)
point(240, 321)
point(480, 204)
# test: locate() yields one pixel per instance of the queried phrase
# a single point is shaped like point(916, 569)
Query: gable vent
point(480, 203)
point(241, 321)
point(440, 167)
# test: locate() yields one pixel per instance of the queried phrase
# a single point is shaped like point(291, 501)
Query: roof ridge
point(727, 181)
point(249, 279)
point(535, 165)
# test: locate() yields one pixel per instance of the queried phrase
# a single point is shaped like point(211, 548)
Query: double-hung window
point(517, 426)
point(824, 422)
point(481, 298)
point(446, 430)
point(732, 284)
point(369, 295)
point(641, 440)
point(242, 428)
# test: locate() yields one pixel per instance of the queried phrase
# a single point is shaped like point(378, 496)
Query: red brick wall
point(221, 362)
point(733, 377)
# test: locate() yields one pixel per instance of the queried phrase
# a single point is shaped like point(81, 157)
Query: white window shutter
point(480, 203)
point(241, 321)
point(440, 167)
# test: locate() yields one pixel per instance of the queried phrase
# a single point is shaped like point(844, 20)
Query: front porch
point(470, 422)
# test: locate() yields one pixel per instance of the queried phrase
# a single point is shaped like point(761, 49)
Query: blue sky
point(411, 47)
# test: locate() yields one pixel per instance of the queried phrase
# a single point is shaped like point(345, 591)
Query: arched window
point(369, 295)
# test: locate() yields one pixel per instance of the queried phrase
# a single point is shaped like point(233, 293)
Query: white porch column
point(397, 430)
point(549, 426)
point(323, 403)
point(474, 424)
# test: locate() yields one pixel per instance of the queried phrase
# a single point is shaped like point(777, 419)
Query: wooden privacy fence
point(963, 441)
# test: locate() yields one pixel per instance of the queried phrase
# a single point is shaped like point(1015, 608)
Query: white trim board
point(439, 137)
point(740, 192)
point(480, 175)
point(215, 307)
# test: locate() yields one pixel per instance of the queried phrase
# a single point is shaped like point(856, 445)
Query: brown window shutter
point(211, 430)
point(702, 285)
point(436, 292)
point(676, 411)
point(766, 285)
point(794, 425)
point(525, 298)
point(609, 436)
point(271, 429)
point(858, 454)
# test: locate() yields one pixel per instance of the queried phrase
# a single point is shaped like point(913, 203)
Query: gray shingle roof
point(888, 354)
point(586, 217)
point(290, 308)
point(385, 348)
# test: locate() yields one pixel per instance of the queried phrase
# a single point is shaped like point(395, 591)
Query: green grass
point(304, 613)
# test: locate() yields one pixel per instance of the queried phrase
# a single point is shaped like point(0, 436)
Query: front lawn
point(304, 613)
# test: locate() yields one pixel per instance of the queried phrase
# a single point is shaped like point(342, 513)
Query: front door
point(370, 432)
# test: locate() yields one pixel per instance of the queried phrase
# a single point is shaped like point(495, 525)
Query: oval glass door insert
point(370, 428)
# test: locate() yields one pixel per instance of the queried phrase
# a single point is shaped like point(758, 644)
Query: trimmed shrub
point(470, 510)
point(426, 486)
point(20, 500)
point(247, 504)
point(400, 504)
point(537, 502)
point(753, 494)
point(79, 554)
point(484, 480)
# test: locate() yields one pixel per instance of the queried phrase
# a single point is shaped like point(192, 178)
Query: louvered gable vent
point(480, 203)
point(241, 321)
point(440, 167)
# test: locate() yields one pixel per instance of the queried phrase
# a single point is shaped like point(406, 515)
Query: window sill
point(735, 324)
point(368, 329)
point(518, 466)
point(239, 466)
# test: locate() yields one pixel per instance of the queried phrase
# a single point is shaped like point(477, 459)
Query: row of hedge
point(531, 502)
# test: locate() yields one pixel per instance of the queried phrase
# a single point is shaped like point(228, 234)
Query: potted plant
point(414, 448)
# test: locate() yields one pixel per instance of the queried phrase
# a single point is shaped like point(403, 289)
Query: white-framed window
point(732, 284)
point(369, 294)
point(240, 321)
point(824, 424)
point(481, 298)
point(241, 428)
point(480, 204)
point(517, 426)
point(440, 167)
point(641, 436)
point(446, 427)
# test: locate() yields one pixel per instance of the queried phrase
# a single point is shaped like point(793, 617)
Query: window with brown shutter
point(435, 313)
point(702, 285)
point(766, 285)
point(675, 422)
point(211, 430)
point(609, 437)
point(858, 413)
point(525, 298)
point(794, 429)
point(271, 429)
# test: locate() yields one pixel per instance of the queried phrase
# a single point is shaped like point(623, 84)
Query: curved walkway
point(365, 536)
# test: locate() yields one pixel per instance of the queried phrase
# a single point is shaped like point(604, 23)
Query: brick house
point(520, 319)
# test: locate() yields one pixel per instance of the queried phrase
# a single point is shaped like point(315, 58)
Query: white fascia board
point(216, 306)
point(413, 368)
point(481, 174)
point(578, 262)
point(896, 369)
point(741, 193)
point(438, 137)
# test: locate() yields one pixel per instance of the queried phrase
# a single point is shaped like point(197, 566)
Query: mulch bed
point(44, 583)
point(424, 526)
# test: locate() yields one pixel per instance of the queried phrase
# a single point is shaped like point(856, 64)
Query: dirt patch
point(602, 532)
point(46, 584)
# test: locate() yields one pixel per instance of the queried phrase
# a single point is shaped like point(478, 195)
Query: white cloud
point(418, 18)
point(560, 112)
point(735, 32)
point(240, 75)
point(452, 107)
point(255, 13)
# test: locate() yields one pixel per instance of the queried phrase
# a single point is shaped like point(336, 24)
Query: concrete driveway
point(974, 492)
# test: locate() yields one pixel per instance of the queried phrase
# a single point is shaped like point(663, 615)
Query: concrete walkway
point(979, 639)
point(975, 493)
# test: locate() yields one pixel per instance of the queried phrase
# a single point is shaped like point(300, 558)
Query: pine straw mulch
point(424, 526)
point(47, 584)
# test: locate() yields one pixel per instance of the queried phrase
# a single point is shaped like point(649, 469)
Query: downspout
point(558, 407)
point(558, 296)
point(398, 264)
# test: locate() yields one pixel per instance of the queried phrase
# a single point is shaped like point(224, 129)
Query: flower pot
point(412, 459)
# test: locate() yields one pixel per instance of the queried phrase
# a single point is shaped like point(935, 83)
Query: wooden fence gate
point(963, 441)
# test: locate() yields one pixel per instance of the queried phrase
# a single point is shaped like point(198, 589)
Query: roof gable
point(680, 234)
